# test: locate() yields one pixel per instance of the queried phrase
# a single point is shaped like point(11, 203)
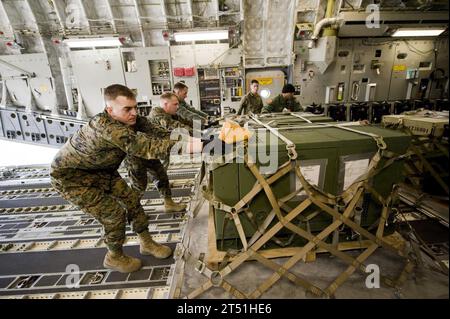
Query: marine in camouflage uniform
point(170, 122)
point(84, 172)
point(285, 100)
point(139, 168)
point(251, 103)
point(187, 113)
point(279, 103)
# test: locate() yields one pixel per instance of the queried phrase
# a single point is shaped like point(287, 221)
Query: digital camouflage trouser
point(105, 196)
point(137, 172)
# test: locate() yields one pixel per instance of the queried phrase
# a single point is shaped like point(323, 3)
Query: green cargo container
point(285, 120)
point(331, 158)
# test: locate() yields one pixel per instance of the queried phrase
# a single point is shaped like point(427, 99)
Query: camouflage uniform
point(169, 122)
point(160, 124)
point(138, 168)
point(279, 103)
point(188, 113)
point(251, 103)
point(85, 173)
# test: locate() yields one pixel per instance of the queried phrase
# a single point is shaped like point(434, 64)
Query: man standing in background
point(252, 102)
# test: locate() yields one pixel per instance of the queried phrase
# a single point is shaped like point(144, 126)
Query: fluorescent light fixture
point(418, 32)
point(201, 36)
point(93, 42)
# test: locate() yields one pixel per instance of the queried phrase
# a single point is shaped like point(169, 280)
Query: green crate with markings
point(330, 158)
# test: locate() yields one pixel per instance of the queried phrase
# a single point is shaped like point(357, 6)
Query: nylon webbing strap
point(290, 146)
point(237, 223)
point(261, 229)
point(430, 168)
point(378, 139)
point(301, 117)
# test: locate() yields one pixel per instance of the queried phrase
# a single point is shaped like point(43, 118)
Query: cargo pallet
point(341, 208)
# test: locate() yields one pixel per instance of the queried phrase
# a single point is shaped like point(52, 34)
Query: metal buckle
point(216, 278)
point(381, 144)
point(200, 266)
point(292, 154)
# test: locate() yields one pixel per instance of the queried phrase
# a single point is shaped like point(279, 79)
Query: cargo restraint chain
point(341, 208)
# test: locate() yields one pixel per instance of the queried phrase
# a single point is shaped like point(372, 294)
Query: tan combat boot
point(150, 247)
point(172, 207)
point(118, 261)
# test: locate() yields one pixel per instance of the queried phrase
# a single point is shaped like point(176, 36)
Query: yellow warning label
point(399, 67)
point(265, 81)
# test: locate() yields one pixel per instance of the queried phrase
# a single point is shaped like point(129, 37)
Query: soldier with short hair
point(84, 172)
point(166, 115)
point(252, 102)
point(185, 111)
point(285, 102)
point(166, 118)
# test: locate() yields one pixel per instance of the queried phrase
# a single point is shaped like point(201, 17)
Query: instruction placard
point(353, 170)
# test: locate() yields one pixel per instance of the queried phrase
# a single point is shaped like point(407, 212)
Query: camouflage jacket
point(188, 113)
point(251, 103)
point(145, 125)
point(279, 103)
point(103, 143)
point(169, 122)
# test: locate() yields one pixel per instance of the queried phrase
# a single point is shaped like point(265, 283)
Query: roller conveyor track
point(43, 182)
point(68, 208)
point(56, 200)
point(41, 234)
point(45, 272)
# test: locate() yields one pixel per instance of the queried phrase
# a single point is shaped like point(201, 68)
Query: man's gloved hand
point(207, 136)
point(212, 122)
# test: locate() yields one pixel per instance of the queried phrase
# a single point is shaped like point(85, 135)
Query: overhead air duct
point(322, 50)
